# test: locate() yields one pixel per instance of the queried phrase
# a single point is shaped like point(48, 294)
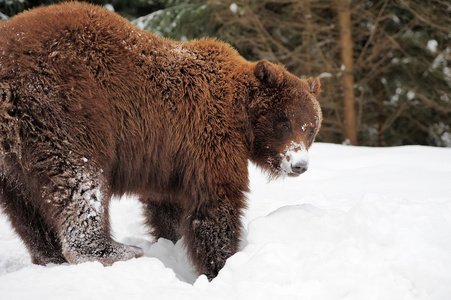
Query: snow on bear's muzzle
point(295, 159)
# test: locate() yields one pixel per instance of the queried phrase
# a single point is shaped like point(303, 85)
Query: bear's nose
point(299, 167)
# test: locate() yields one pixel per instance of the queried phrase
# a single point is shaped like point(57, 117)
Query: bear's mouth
point(294, 160)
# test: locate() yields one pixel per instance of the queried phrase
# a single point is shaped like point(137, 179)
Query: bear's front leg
point(213, 235)
point(80, 208)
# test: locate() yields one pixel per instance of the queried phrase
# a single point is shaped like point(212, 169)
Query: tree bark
point(345, 26)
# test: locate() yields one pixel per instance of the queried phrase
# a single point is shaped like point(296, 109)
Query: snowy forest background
point(385, 65)
point(363, 222)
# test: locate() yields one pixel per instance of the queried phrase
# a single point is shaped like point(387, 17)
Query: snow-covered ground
point(362, 223)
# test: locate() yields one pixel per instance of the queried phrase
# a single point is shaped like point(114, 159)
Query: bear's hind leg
point(163, 217)
point(41, 241)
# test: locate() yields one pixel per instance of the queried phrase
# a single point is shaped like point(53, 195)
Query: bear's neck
point(243, 93)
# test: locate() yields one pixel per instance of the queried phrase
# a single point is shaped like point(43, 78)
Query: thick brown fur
point(91, 107)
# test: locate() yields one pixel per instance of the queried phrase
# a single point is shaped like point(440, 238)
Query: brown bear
point(91, 107)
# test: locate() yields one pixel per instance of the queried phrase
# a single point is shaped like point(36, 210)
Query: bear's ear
point(267, 73)
point(315, 86)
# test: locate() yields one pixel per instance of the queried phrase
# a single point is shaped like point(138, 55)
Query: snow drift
point(362, 223)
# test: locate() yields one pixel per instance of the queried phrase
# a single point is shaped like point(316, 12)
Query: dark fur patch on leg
point(164, 219)
point(212, 236)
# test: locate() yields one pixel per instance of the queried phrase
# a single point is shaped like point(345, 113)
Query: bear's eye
point(286, 127)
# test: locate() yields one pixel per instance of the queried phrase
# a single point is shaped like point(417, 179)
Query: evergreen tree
point(178, 19)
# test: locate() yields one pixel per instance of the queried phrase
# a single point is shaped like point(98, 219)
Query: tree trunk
point(345, 26)
point(308, 37)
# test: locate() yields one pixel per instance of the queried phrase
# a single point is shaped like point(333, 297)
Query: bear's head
point(285, 118)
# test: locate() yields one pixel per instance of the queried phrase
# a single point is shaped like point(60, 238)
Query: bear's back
point(73, 42)
point(68, 34)
point(45, 23)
